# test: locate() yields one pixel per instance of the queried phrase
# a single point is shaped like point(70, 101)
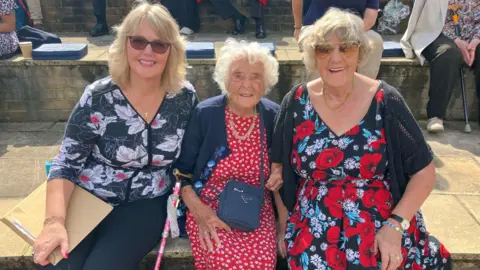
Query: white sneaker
point(435, 125)
point(186, 31)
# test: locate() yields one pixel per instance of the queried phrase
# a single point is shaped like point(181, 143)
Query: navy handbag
point(240, 204)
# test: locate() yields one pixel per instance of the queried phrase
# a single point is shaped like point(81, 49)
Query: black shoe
point(239, 25)
point(100, 29)
point(260, 32)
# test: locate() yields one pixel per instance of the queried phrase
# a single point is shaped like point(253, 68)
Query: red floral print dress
point(344, 197)
point(240, 250)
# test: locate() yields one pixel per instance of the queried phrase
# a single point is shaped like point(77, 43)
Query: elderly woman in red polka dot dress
point(222, 142)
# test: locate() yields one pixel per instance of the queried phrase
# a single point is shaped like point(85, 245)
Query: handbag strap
point(262, 131)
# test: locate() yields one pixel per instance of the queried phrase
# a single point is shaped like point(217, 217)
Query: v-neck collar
point(363, 118)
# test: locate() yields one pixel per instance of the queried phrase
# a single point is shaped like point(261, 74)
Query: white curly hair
point(234, 50)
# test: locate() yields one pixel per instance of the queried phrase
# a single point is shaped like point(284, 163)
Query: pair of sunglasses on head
point(346, 48)
point(140, 43)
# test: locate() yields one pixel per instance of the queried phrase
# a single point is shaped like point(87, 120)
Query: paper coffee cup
point(26, 48)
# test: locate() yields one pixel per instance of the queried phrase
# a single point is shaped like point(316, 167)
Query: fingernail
point(65, 255)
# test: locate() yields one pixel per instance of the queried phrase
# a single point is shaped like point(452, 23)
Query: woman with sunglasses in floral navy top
point(354, 163)
point(120, 141)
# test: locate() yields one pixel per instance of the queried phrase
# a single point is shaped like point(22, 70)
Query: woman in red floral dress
point(350, 210)
point(222, 143)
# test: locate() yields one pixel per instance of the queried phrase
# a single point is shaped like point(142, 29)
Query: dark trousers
point(445, 60)
point(185, 12)
point(100, 10)
point(225, 9)
point(121, 240)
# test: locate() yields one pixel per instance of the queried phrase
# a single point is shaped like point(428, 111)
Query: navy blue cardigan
point(205, 141)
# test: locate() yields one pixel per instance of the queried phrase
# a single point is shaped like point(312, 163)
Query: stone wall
point(77, 15)
point(48, 90)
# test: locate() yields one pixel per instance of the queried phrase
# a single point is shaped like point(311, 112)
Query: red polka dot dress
point(239, 250)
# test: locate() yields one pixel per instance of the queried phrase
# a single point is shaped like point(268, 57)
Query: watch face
point(405, 225)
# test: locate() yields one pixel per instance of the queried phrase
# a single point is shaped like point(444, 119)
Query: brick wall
point(77, 15)
point(52, 89)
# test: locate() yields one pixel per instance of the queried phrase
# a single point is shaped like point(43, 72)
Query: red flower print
point(368, 165)
point(311, 192)
point(379, 96)
point(294, 266)
point(295, 218)
point(302, 242)
point(366, 250)
point(94, 119)
point(416, 266)
point(368, 198)
point(333, 201)
point(333, 234)
point(376, 144)
point(383, 202)
point(298, 161)
point(298, 93)
point(444, 253)
point(351, 194)
point(353, 131)
point(336, 258)
point(161, 183)
point(84, 178)
point(329, 158)
point(303, 130)
point(319, 175)
point(121, 176)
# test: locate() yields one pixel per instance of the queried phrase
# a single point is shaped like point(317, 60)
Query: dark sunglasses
point(347, 49)
point(140, 43)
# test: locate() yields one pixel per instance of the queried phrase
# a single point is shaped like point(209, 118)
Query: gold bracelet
point(298, 27)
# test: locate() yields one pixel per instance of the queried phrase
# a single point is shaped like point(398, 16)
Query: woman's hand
point(388, 242)
point(275, 181)
point(53, 235)
point(208, 223)
point(281, 230)
point(463, 47)
point(471, 50)
point(296, 34)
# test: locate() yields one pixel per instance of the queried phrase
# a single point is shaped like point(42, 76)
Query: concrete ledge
point(178, 256)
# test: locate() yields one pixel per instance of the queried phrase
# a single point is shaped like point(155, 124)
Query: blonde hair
point(253, 52)
point(166, 29)
point(336, 22)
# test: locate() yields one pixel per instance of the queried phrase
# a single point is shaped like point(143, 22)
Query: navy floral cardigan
point(111, 151)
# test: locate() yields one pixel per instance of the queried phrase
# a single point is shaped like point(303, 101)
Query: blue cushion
point(66, 51)
point(200, 50)
point(270, 46)
point(392, 49)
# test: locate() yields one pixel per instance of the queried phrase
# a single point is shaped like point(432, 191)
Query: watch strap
point(397, 218)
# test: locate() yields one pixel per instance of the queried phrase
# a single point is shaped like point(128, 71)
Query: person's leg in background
point(100, 11)
point(256, 12)
point(445, 60)
point(476, 71)
point(371, 64)
point(225, 9)
point(185, 13)
point(128, 234)
point(36, 13)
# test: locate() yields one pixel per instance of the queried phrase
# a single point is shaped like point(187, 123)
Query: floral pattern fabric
point(468, 19)
point(239, 250)
point(344, 197)
point(111, 151)
point(8, 41)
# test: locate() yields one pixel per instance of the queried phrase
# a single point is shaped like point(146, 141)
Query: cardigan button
point(211, 163)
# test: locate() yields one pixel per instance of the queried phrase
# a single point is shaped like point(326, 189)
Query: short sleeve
point(79, 139)
point(373, 4)
point(416, 154)
point(7, 7)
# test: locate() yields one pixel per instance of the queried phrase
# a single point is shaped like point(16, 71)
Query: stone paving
point(452, 211)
